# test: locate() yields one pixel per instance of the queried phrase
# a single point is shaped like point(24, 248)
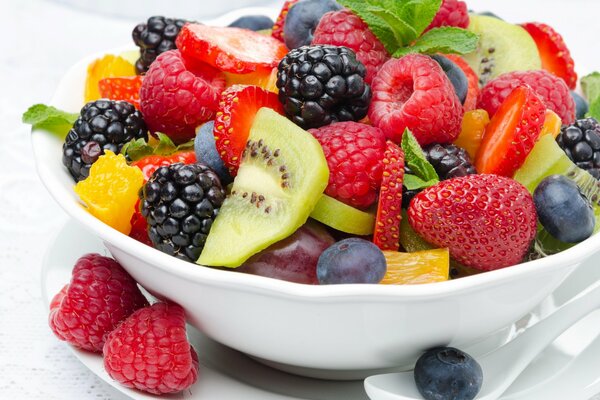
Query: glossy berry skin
point(178, 95)
point(446, 373)
point(563, 211)
point(294, 259)
point(581, 143)
point(351, 260)
point(581, 105)
point(451, 13)
point(552, 90)
point(414, 92)
point(99, 296)
point(302, 20)
point(150, 351)
point(456, 75)
point(470, 102)
point(253, 22)
point(206, 152)
point(354, 153)
point(153, 38)
point(487, 221)
point(344, 28)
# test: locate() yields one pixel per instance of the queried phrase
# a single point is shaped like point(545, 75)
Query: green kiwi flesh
point(282, 176)
point(343, 217)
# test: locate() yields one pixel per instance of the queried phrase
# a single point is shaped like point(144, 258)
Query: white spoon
point(502, 366)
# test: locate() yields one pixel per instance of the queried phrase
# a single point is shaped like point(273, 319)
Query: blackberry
point(102, 125)
point(180, 203)
point(154, 37)
point(448, 160)
point(322, 84)
point(581, 143)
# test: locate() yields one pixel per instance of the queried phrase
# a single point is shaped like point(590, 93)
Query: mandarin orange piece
point(415, 268)
point(105, 67)
point(263, 78)
point(552, 124)
point(473, 128)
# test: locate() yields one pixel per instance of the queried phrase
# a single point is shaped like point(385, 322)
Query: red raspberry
point(100, 295)
point(177, 95)
point(150, 351)
point(344, 28)
point(354, 153)
point(552, 90)
point(487, 221)
point(414, 92)
point(451, 13)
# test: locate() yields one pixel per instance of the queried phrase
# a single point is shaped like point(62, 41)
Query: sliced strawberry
point(473, 92)
point(235, 115)
point(554, 53)
point(125, 88)
point(277, 31)
point(512, 133)
point(139, 228)
point(151, 163)
point(389, 209)
point(230, 49)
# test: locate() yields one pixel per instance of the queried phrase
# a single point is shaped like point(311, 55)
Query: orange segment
point(105, 67)
point(263, 78)
point(111, 191)
point(427, 266)
point(552, 124)
point(473, 128)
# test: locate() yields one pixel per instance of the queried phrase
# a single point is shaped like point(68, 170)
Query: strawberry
point(389, 208)
point(277, 31)
point(554, 53)
point(122, 88)
point(487, 221)
point(473, 91)
point(235, 115)
point(230, 49)
point(512, 133)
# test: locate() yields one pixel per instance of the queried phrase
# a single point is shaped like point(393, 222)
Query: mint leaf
point(416, 13)
point(446, 40)
point(160, 146)
point(590, 85)
point(49, 118)
point(424, 174)
point(404, 34)
point(594, 111)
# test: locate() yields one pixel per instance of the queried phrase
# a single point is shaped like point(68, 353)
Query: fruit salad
point(406, 142)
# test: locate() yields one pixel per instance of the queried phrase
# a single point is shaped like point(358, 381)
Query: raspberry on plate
point(354, 153)
point(552, 90)
point(451, 13)
point(150, 351)
point(178, 95)
point(344, 28)
point(487, 221)
point(414, 92)
point(100, 295)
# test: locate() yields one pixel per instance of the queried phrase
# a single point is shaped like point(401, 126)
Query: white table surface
point(39, 41)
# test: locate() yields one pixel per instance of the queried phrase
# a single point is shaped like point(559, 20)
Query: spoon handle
point(519, 352)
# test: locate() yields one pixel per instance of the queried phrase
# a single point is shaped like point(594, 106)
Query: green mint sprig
point(590, 85)
point(50, 119)
point(424, 174)
point(162, 146)
point(399, 25)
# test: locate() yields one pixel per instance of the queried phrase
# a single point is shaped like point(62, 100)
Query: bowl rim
point(67, 200)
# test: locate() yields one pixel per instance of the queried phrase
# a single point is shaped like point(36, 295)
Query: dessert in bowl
point(319, 330)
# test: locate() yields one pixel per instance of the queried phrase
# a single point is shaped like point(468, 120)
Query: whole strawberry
point(487, 221)
point(100, 295)
point(150, 351)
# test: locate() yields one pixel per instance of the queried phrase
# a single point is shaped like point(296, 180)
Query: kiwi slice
point(282, 176)
point(503, 47)
point(409, 239)
point(343, 217)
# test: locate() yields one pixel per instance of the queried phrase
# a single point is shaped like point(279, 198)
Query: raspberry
point(150, 351)
point(354, 153)
point(177, 95)
point(414, 92)
point(451, 13)
point(100, 295)
point(487, 221)
point(552, 91)
point(344, 28)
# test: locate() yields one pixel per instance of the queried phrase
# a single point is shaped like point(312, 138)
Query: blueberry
point(581, 105)
point(456, 75)
point(446, 373)
point(351, 261)
point(562, 210)
point(253, 22)
point(302, 20)
point(206, 152)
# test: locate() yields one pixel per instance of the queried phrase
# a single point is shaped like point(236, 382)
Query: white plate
point(566, 370)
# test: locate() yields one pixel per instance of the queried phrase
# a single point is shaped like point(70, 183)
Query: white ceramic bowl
point(327, 331)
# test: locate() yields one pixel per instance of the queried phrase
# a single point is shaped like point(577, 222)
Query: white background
point(39, 40)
